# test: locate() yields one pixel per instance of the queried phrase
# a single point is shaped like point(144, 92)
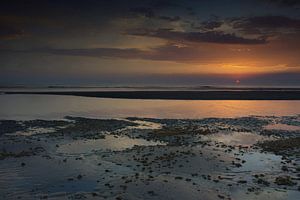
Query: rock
point(242, 181)
point(284, 180)
point(284, 168)
point(261, 181)
point(94, 194)
point(151, 193)
point(178, 178)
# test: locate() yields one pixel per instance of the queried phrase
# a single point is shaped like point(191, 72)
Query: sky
point(150, 42)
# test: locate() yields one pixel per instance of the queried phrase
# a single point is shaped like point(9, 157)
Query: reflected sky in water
point(55, 106)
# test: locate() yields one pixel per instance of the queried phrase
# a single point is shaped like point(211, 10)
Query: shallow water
point(34, 131)
point(54, 106)
point(108, 143)
point(238, 138)
point(282, 127)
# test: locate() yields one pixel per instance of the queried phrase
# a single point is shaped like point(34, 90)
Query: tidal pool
point(110, 142)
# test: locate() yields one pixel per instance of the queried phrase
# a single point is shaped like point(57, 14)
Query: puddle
point(282, 127)
point(141, 124)
point(238, 138)
point(146, 125)
point(34, 131)
point(260, 162)
point(109, 143)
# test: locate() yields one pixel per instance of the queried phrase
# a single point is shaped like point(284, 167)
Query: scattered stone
point(285, 180)
point(284, 168)
point(263, 182)
point(242, 181)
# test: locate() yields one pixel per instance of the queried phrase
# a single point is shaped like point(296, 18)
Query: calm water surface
point(55, 106)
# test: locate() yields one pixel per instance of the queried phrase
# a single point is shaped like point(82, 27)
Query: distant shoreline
point(178, 95)
point(152, 88)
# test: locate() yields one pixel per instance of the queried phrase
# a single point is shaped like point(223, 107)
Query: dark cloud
point(265, 25)
point(168, 52)
point(196, 37)
point(190, 11)
point(144, 11)
point(170, 19)
point(289, 3)
point(129, 53)
point(164, 4)
point(210, 25)
point(8, 32)
point(182, 54)
point(150, 12)
point(271, 22)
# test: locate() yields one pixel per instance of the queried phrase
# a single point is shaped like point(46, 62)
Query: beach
point(71, 150)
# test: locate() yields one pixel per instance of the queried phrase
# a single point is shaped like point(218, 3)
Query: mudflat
point(149, 158)
point(261, 94)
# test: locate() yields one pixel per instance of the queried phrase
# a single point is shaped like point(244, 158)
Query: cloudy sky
point(151, 42)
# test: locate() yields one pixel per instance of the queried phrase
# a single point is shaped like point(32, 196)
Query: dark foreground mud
point(143, 158)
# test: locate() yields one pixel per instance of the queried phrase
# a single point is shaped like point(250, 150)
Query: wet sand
point(149, 158)
point(274, 94)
